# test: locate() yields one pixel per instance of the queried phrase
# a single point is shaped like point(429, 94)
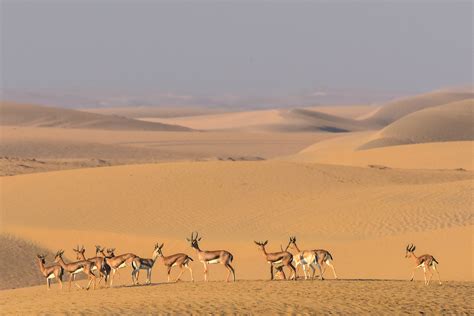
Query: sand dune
point(283, 120)
point(43, 116)
point(156, 111)
point(449, 122)
point(39, 149)
point(353, 111)
point(234, 203)
point(392, 111)
point(344, 150)
point(20, 255)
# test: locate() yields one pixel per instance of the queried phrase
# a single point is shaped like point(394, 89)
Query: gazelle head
point(292, 242)
point(58, 256)
point(41, 258)
point(158, 248)
point(409, 250)
point(111, 252)
point(261, 245)
point(79, 252)
point(99, 249)
point(194, 241)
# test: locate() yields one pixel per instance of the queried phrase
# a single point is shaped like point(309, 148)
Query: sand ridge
point(448, 122)
point(18, 114)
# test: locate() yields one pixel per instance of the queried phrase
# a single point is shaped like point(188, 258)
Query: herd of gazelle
point(106, 263)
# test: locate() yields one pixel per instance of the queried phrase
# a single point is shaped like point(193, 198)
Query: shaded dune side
point(309, 120)
point(399, 108)
point(19, 256)
point(43, 116)
point(449, 122)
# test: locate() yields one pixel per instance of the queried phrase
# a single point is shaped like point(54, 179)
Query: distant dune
point(275, 120)
point(394, 110)
point(309, 120)
point(343, 150)
point(449, 122)
point(156, 111)
point(43, 116)
point(351, 111)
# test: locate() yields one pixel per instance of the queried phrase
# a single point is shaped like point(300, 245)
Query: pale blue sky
point(235, 47)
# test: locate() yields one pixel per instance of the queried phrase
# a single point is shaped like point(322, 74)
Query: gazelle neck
point(415, 258)
point(155, 255)
point(296, 247)
point(41, 265)
point(61, 262)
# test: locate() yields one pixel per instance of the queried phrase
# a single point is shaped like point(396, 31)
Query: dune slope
point(234, 203)
point(283, 120)
point(449, 122)
point(392, 111)
point(43, 116)
point(18, 262)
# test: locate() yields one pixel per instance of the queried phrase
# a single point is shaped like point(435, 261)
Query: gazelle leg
point(190, 271)
point(205, 271)
point(431, 276)
point(169, 272)
point(313, 270)
point(180, 273)
point(413, 274)
point(58, 277)
point(48, 284)
point(439, 279)
point(293, 270)
point(424, 274)
point(112, 274)
point(136, 276)
point(231, 270)
point(70, 280)
point(304, 271)
point(329, 263)
point(271, 271)
point(147, 281)
point(321, 272)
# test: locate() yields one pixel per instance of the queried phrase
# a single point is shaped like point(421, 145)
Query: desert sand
point(260, 297)
point(244, 176)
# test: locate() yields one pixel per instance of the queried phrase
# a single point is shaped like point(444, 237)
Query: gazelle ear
point(414, 247)
point(188, 239)
point(199, 238)
point(265, 243)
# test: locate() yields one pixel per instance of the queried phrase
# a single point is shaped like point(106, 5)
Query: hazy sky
point(235, 47)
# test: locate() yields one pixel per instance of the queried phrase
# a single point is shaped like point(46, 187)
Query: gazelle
point(99, 263)
point(305, 258)
point(144, 264)
point(322, 257)
point(180, 259)
point(75, 268)
point(50, 272)
point(212, 257)
point(118, 262)
point(426, 262)
point(283, 258)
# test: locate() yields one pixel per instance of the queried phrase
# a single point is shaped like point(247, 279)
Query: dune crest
point(448, 122)
point(396, 109)
point(16, 114)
